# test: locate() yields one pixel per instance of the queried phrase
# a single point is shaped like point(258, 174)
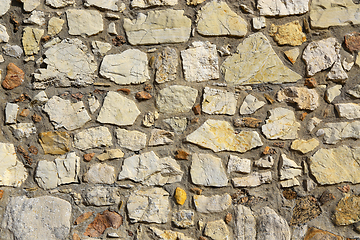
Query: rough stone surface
point(166, 65)
point(103, 4)
point(153, 3)
point(23, 130)
point(160, 137)
point(93, 138)
point(217, 101)
point(348, 110)
point(282, 8)
point(306, 99)
point(132, 140)
point(11, 111)
point(183, 218)
point(292, 54)
point(272, 226)
point(305, 146)
point(14, 77)
point(305, 210)
point(13, 50)
point(101, 48)
point(245, 223)
point(78, 22)
point(55, 26)
point(212, 204)
point(250, 105)
point(332, 93)
point(355, 91)
point(31, 40)
point(253, 180)
point(217, 230)
point(101, 196)
point(347, 210)
point(55, 142)
point(4, 6)
point(100, 173)
point(289, 169)
point(288, 34)
point(59, 3)
point(4, 36)
point(335, 132)
point(237, 164)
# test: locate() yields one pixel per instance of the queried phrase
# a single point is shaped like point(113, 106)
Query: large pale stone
point(305, 146)
point(12, 171)
point(149, 169)
point(167, 234)
point(290, 33)
point(289, 169)
point(281, 124)
point(322, 13)
point(217, 101)
point(272, 226)
point(200, 62)
point(4, 36)
point(100, 173)
point(253, 180)
point(4, 6)
point(178, 124)
point(31, 40)
point(212, 204)
point(123, 113)
point(347, 211)
point(160, 26)
point(55, 26)
point(245, 223)
point(64, 113)
point(101, 196)
point(166, 65)
point(176, 99)
point(335, 132)
point(148, 205)
point(256, 62)
point(348, 110)
point(282, 7)
point(152, 3)
point(128, 67)
point(78, 22)
point(208, 170)
point(251, 104)
point(336, 165)
point(65, 69)
point(93, 138)
point(43, 217)
point(103, 4)
point(307, 99)
point(217, 19)
point(59, 3)
point(38, 18)
point(132, 140)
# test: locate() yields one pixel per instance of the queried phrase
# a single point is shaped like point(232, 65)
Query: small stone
point(288, 34)
point(166, 65)
point(305, 146)
point(245, 223)
point(101, 196)
point(106, 5)
point(33, 150)
point(289, 194)
point(347, 211)
point(40, 98)
point(217, 230)
point(55, 26)
point(36, 118)
point(4, 36)
point(239, 165)
point(355, 91)
point(118, 41)
point(103, 221)
point(250, 105)
point(265, 162)
point(88, 156)
point(124, 90)
point(59, 3)
point(178, 124)
point(305, 98)
point(132, 140)
point(352, 41)
point(101, 48)
point(216, 101)
point(160, 137)
point(313, 122)
point(292, 54)
point(147, 4)
point(181, 155)
point(228, 218)
point(200, 62)
point(305, 210)
point(23, 130)
point(212, 204)
point(31, 40)
point(183, 218)
point(83, 217)
point(36, 17)
point(289, 169)
point(93, 138)
point(11, 111)
point(258, 23)
point(196, 190)
point(78, 22)
point(143, 95)
point(348, 110)
point(197, 109)
point(94, 104)
point(253, 180)
point(272, 226)
point(246, 9)
point(217, 19)
point(247, 122)
point(113, 235)
point(14, 77)
point(269, 98)
point(100, 173)
point(13, 50)
point(326, 196)
point(344, 189)
point(110, 155)
point(167, 234)
point(267, 151)
point(180, 196)
point(55, 142)
point(194, 2)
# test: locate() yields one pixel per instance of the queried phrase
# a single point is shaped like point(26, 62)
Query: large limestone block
point(335, 132)
point(132, 140)
point(282, 7)
point(212, 204)
point(103, 4)
point(93, 138)
point(348, 110)
point(100, 173)
point(272, 226)
point(245, 223)
point(84, 22)
point(31, 40)
point(217, 101)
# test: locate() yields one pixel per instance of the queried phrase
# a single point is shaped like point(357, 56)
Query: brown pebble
point(14, 22)
point(25, 112)
point(269, 151)
point(228, 218)
point(326, 196)
point(118, 40)
point(33, 150)
point(24, 154)
point(14, 77)
point(36, 118)
point(247, 122)
point(195, 120)
point(310, 83)
point(143, 95)
point(45, 38)
point(148, 87)
point(181, 155)
point(1, 194)
point(88, 156)
point(269, 98)
point(196, 190)
point(23, 97)
point(202, 238)
point(289, 194)
point(306, 25)
point(279, 144)
point(76, 237)
point(352, 41)
point(303, 116)
point(83, 217)
point(197, 109)
point(103, 221)
point(124, 90)
point(130, 233)
point(151, 62)
point(77, 96)
point(344, 189)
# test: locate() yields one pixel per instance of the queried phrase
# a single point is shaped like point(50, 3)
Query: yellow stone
point(289, 33)
point(180, 196)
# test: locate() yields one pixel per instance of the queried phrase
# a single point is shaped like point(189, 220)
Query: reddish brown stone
point(14, 22)
point(228, 218)
point(24, 154)
point(197, 109)
point(326, 196)
point(25, 112)
point(352, 41)
point(269, 151)
point(83, 217)
point(143, 95)
point(103, 221)
point(36, 118)
point(130, 233)
point(148, 87)
point(269, 98)
point(279, 144)
point(196, 190)
point(88, 156)
point(77, 96)
point(202, 238)
point(33, 150)
point(23, 97)
point(181, 155)
point(1, 194)
point(317, 234)
point(124, 90)
point(195, 120)
point(306, 26)
point(344, 189)
point(45, 38)
point(14, 77)
point(310, 83)
point(289, 194)
point(247, 122)
point(303, 116)
point(118, 40)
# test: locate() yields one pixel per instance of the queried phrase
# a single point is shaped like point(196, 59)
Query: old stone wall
point(179, 119)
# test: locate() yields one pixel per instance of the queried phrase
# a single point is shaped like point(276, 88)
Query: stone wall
point(179, 120)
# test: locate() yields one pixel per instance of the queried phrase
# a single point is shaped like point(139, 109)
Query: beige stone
point(93, 138)
point(305, 146)
point(347, 211)
point(332, 92)
point(348, 110)
point(152, 3)
point(288, 34)
point(168, 234)
point(110, 154)
point(78, 22)
point(30, 5)
point(335, 132)
point(55, 142)
point(217, 230)
point(253, 180)
point(132, 140)
point(212, 204)
point(217, 101)
point(100, 173)
point(55, 26)
point(166, 65)
point(307, 99)
point(292, 54)
point(31, 40)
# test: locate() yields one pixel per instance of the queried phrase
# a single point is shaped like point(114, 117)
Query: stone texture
point(217, 230)
point(176, 99)
point(253, 180)
point(212, 204)
point(289, 168)
point(64, 69)
point(153, 3)
point(38, 18)
point(245, 223)
point(4, 6)
point(101, 196)
point(160, 137)
point(282, 8)
point(348, 110)
point(4, 36)
point(217, 19)
point(149, 206)
point(332, 92)
point(23, 130)
point(123, 113)
point(166, 64)
point(355, 91)
point(315, 233)
point(250, 105)
point(110, 154)
point(128, 67)
point(347, 210)
point(103, 4)
point(59, 3)
point(265, 162)
point(272, 226)
point(78, 22)
point(93, 138)
point(305, 210)
point(336, 165)
point(200, 62)
point(288, 34)
point(183, 218)
point(103, 221)
point(352, 41)
point(178, 124)
point(43, 217)
point(220, 136)
point(259, 23)
point(335, 132)
point(11, 112)
point(55, 26)
point(100, 173)
point(167, 234)
point(150, 170)
point(237, 164)
point(304, 98)
point(101, 48)
point(132, 140)
point(217, 101)
point(159, 26)
point(46, 175)
point(292, 54)
point(14, 77)
point(55, 142)
point(31, 40)
point(12, 50)
point(305, 146)
point(256, 62)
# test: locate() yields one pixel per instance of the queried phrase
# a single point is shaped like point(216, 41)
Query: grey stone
point(46, 175)
point(36, 17)
point(11, 111)
point(100, 173)
point(332, 92)
point(12, 50)
point(272, 226)
point(348, 110)
point(101, 48)
point(355, 91)
point(132, 140)
point(178, 124)
point(265, 162)
point(183, 218)
point(245, 223)
point(101, 196)
point(212, 204)
point(93, 138)
point(78, 22)
point(112, 29)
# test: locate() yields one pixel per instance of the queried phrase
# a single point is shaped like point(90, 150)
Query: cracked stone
point(132, 140)
point(12, 50)
point(94, 104)
point(4, 36)
point(160, 137)
point(93, 138)
point(78, 22)
point(240, 165)
point(355, 91)
point(166, 64)
point(102, 221)
point(282, 8)
point(347, 211)
point(101, 48)
point(183, 218)
point(178, 124)
point(14, 77)
point(217, 230)
point(251, 104)
point(245, 223)
point(100, 173)
point(253, 180)
point(265, 162)
point(106, 5)
point(306, 99)
point(288, 34)
point(23, 130)
point(101, 196)
point(305, 146)
point(55, 142)
point(154, 3)
point(335, 132)
point(212, 204)
point(259, 23)
point(272, 226)
point(11, 112)
point(59, 3)
point(305, 210)
point(36, 17)
point(289, 169)
point(55, 26)
point(216, 101)
point(348, 110)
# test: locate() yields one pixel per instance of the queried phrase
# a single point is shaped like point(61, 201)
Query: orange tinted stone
point(14, 77)
point(103, 221)
point(83, 217)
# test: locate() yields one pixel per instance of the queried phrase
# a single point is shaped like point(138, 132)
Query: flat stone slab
point(282, 7)
point(78, 22)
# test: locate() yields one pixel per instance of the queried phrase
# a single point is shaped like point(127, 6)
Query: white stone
point(48, 44)
point(212, 204)
point(4, 36)
point(256, 62)
point(272, 226)
point(220, 136)
point(128, 67)
point(289, 183)
point(94, 104)
point(200, 62)
point(337, 73)
point(208, 170)
point(217, 19)
point(251, 104)
point(176, 99)
point(44, 217)
point(78, 22)
point(13, 50)
point(217, 230)
point(64, 69)
point(152, 3)
point(2, 59)
point(178, 124)
point(101, 196)
point(23, 130)
point(332, 93)
point(4, 6)
point(36, 17)
point(348, 62)
point(166, 65)
point(253, 180)
point(132, 140)
point(123, 113)
point(167, 234)
point(149, 206)
point(151, 170)
point(64, 113)
point(112, 29)
point(68, 168)
point(40, 98)
point(100, 173)
point(304, 98)
point(259, 23)
point(335, 132)
point(216, 101)
point(103, 4)
point(245, 223)
point(160, 137)
point(265, 162)
point(355, 91)
point(110, 154)
point(100, 47)
point(282, 7)
point(289, 169)
point(150, 118)
point(241, 165)
point(281, 124)
point(11, 112)
point(46, 175)
point(93, 138)
point(55, 26)
point(12, 171)
point(160, 26)
point(59, 3)
point(348, 110)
